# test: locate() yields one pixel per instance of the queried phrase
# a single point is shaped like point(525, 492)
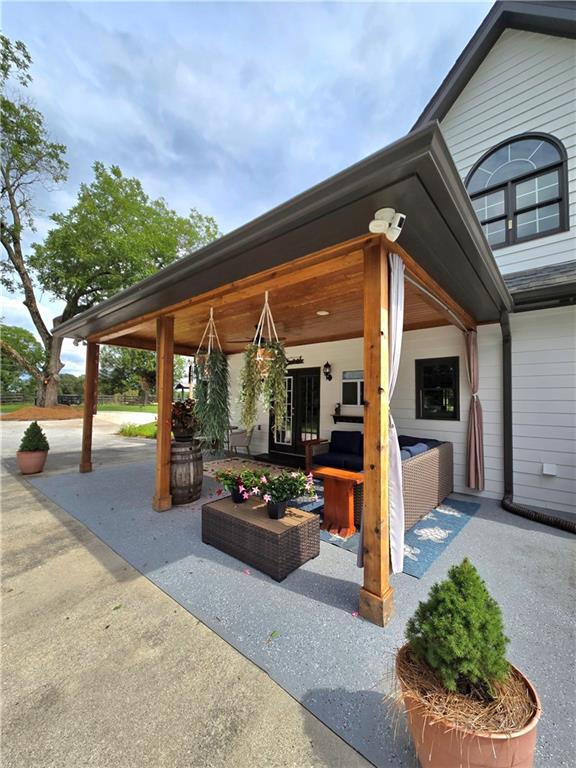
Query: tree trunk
point(48, 387)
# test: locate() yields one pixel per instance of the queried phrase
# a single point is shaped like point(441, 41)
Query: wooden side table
point(338, 499)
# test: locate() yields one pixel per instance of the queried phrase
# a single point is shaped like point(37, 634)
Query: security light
point(387, 222)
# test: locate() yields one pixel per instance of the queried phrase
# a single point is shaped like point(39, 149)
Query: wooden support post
point(164, 393)
point(376, 596)
point(90, 396)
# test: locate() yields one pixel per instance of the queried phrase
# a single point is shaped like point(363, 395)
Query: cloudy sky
point(230, 108)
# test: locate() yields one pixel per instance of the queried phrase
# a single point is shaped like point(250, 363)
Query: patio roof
point(415, 175)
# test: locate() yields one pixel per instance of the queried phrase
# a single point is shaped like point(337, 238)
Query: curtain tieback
point(475, 395)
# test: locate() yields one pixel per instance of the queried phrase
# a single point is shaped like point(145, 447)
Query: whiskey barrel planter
point(186, 471)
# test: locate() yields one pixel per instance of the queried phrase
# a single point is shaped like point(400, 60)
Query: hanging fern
point(274, 385)
point(212, 400)
point(250, 387)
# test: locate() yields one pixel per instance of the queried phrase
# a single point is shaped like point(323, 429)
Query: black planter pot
point(237, 497)
point(276, 510)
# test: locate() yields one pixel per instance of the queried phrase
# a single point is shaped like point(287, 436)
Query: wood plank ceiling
point(295, 295)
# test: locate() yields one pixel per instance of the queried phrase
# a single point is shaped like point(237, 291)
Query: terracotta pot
point(264, 357)
point(31, 462)
point(442, 744)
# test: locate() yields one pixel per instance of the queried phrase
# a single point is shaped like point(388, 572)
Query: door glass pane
point(283, 435)
point(309, 407)
point(539, 220)
point(489, 206)
point(495, 232)
point(537, 190)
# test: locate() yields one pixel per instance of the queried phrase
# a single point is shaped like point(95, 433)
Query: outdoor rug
point(426, 540)
point(305, 631)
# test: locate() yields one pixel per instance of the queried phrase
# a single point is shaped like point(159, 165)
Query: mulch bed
point(511, 709)
point(35, 413)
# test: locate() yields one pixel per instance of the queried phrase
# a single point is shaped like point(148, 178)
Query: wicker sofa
point(426, 478)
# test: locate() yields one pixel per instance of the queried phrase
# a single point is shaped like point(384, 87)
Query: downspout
point(508, 502)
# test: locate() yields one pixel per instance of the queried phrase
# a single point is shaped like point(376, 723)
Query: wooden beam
point(164, 392)
point(90, 395)
point(376, 596)
point(420, 275)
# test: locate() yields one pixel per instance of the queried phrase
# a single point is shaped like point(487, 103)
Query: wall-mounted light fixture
point(327, 371)
point(387, 222)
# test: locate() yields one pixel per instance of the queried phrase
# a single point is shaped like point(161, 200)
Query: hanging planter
point(263, 375)
point(212, 386)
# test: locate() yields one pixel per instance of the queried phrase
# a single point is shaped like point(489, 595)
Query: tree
point(123, 369)
point(28, 159)
point(17, 369)
point(114, 235)
point(70, 384)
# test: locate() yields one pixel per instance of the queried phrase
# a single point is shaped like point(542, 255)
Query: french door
point(302, 420)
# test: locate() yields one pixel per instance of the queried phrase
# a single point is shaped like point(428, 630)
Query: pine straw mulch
point(511, 709)
point(35, 413)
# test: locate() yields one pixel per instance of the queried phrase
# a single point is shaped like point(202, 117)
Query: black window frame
point(420, 364)
point(510, 211)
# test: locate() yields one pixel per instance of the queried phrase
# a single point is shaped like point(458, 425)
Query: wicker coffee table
point(275, 547)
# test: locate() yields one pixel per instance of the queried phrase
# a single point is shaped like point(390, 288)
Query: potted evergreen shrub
point(466, 705)
point(33, 451)
point(278, 490)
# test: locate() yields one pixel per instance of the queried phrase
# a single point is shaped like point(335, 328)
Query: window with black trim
point(352, 387)
point(438, 388)
point(519, 190)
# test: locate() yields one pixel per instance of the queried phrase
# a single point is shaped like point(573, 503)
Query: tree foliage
point(15, 373)
point(458, 632)
point(34, 438)
point(114, 236)
point(123, 369)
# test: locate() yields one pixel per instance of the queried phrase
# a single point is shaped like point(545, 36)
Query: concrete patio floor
point(101, 668)
point(529, 569)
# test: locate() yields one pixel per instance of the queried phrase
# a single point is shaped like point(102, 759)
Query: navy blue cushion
point(347, 441)
point(349, 461)
point(405, 441)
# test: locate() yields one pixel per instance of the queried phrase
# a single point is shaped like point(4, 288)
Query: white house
point(507, 111)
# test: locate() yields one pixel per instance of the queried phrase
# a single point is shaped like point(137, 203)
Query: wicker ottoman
point(275, 547)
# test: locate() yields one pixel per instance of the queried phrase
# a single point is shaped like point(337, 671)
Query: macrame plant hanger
point(213, 338)
point(266, 320)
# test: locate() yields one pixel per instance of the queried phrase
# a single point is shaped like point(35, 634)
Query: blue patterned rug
point(423, 543)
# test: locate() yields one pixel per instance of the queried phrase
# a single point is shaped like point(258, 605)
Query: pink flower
point(247, 572)
point(256, 491)
point(293, 474)
point(241, 489)
point(245, 495)
point(264, 480)
point(310, 477)
point(267, 497)
point(355, 614)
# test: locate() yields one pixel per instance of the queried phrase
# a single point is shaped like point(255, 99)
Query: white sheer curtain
point(395, 498)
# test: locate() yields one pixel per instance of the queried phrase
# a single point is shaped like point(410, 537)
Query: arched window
point(518, 190)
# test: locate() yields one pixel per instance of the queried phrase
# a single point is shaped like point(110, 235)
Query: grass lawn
point(139, 430)
point(11, 407)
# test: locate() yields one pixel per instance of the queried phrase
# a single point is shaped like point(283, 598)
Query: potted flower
point(240, 485)
point(33, 451)
point(184, 420)
point(278, 490)
point(465, 703)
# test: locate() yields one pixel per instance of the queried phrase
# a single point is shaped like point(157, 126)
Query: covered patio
point(315, 250)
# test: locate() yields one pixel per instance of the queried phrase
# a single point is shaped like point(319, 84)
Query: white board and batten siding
point(527, 83)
